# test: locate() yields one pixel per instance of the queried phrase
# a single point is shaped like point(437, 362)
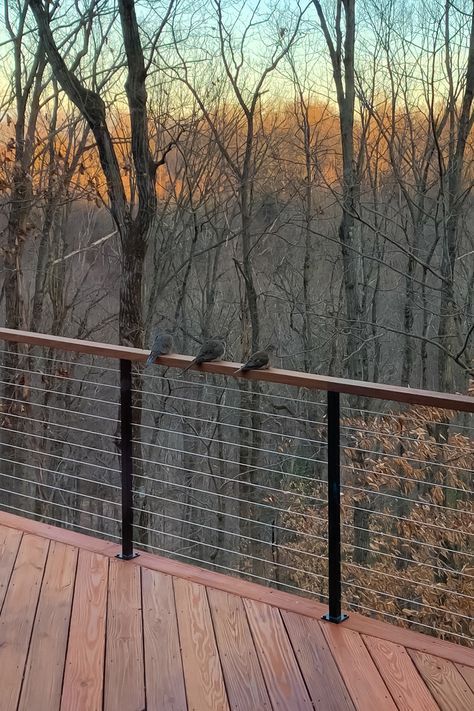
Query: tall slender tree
point(340, 42)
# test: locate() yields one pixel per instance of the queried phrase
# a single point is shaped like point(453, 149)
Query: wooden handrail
point(297, 379)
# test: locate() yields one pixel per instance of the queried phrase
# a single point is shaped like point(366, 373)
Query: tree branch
point(92, 107)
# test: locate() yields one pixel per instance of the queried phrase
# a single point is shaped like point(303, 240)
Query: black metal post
point(334, 511)
point(126, 449)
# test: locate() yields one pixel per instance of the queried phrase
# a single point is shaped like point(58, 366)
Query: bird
point(162, 345)
point(257, 361)
point(212, 349)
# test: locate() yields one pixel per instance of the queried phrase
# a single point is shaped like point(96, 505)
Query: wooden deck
point(81, 630)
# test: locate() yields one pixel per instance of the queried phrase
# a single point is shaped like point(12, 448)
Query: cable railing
point(288, 479)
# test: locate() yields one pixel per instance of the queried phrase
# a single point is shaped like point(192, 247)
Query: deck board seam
point(298, 663)
point(180, 647)
point(23, 676)
point(424, 682)
point(217, 645)
point(69, 623)
point(462, 654)
point(258, 655)
point(407, 649)
point(438, 687)
point(378, 672)
point(106, 626)
point(12, 569)
point(143, 635)
point(322, 624)
point(198, 576)
point(414, 665)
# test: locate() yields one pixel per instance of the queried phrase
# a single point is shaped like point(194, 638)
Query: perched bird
point(162, 345)
point(213, 349)
point(257, 361)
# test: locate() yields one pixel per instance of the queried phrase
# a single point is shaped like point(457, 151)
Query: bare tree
point(341, 47)
point(449, 329)
point(240, 152)
point(132, 225)
point(27, 87)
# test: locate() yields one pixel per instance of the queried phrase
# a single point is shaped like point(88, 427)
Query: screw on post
point(334, 511)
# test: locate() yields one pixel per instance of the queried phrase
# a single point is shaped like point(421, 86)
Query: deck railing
point(360, 497)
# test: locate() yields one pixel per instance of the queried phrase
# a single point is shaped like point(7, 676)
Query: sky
point(410, 29)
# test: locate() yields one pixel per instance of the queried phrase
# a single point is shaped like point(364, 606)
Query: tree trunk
point(342, 60)
point(448, 329)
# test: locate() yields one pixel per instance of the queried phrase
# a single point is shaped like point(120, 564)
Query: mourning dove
point(257, 361)
point(162, 345)
point(213, 349)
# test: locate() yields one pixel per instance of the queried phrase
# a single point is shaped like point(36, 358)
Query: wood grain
point(447, 685)
point(9, 544)
point(255, 650)
point(408, 638)
point(287, 601)
point(124, 670)
point(205, 687)
point(163, 667)
point(84, 670)
point(243, 676)
point(54, 533)
point(400, 675)
point(274, 375)
point(285, 684)
point(323, 680)
point(306, 606)
point(467, 673)
point(45, 664)
point(363, 681)
point(18, 613)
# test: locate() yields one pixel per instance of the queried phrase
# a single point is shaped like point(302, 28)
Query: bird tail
point(150, 360)
point(185, 370)
point(242, 369)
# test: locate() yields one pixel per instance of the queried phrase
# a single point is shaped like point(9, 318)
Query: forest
point(284, 173)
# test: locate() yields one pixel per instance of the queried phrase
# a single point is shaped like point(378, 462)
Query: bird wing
point(257, 360)
point(167, 343)
point(209, 351)
point(162, 345)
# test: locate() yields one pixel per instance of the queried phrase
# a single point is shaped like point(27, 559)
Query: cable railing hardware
point(315, 497)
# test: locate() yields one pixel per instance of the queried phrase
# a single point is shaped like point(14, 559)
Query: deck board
point(447, 685)
point(358, 669)
point(9, 544)
point(400, 675)
point(323, 680)
point(163, 666)
point(124, 665)
point(243, 676)
point(18, 614)
point(467, 673)
point(285, 684)
point(45, 664)
point(84, 672)
point(453, 651)
point(151, 633)
point(202, 670)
